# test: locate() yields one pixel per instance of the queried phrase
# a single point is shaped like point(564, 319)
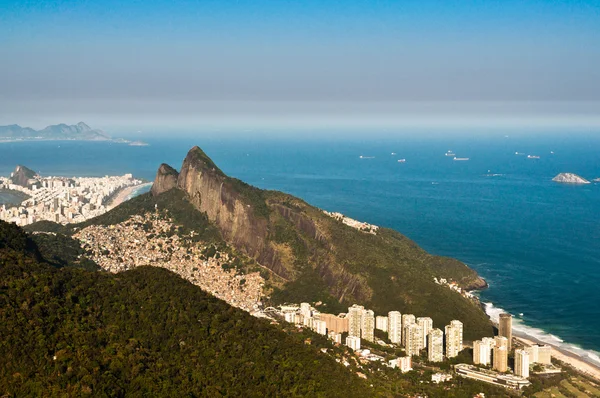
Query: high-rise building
point(522, 363)
point(435, 345)
point(353, 342)
point(482, 354)
point(501, 341)
point(407, 319)
point(381, 323)
point(320, 327)
point(489, 341)
point(336, 337)
point(426, 324)
point(454, 338)
point(354, 316)
point(501, 358)
point(540, 354)
point(412, 335)
point(335, 323)
point(505, 328)
point(305, 310)
point(367, 329)
point(395, 327)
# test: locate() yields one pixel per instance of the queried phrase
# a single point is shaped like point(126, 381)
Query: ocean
point(536, 242)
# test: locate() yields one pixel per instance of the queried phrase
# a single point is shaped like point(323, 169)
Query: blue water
point(536, 242)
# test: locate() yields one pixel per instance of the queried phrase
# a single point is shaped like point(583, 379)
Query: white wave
point(519, 327)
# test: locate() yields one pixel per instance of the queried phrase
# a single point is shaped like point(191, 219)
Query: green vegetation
point(173, 202)
point(143, 332)
point(61, 250)
point(388, 270)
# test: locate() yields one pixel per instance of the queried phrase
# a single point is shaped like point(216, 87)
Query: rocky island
point(570, 178)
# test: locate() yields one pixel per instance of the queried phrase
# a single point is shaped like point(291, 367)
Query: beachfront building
point(454, 338)
point(381, 323)
point(395, 327)
point(435, 346)
point(505, 328)
point(501, 358)
point(522, 363)
point(540, 354)
point(355, 314)
point(367, 329)
point(482, 354)
point(426, 324)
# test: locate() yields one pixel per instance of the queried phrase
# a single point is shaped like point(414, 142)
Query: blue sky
point(59, 56)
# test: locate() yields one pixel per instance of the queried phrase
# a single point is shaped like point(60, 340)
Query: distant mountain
point(79, 131)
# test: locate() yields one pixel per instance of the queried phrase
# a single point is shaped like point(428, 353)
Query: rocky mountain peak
point(166, 179)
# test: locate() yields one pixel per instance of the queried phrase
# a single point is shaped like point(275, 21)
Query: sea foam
point(521, 328)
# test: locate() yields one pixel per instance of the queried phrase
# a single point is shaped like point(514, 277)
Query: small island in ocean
point(138, 143)
point(570, 178)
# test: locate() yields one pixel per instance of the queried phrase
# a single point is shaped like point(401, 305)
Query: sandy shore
point(124, 194)
point(570, 359)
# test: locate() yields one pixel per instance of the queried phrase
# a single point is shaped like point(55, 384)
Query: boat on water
point(366, 157)
point(519, 153)
point(460, 159)
point(401, 160)
point(450, 153)
point(532, 157)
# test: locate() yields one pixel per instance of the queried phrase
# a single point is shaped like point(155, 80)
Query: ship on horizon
point(450, 153)
point(460, 159)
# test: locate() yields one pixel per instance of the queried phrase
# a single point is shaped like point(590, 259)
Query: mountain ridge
point(62, 131)
point(318, 256)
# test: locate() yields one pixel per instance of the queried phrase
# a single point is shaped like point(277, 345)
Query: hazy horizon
point(262, 64)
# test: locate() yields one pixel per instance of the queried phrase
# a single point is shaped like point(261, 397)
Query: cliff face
point(225, 204)
point(166, 179)
point(318, 256)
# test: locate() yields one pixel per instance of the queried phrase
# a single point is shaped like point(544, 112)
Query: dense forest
point(68, 331)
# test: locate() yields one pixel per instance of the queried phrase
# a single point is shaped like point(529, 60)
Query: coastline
point(125, 194)
point(579, 362)
point(573, 360)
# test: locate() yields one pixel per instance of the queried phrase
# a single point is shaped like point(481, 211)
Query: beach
point(568, 358)
point(126, 194)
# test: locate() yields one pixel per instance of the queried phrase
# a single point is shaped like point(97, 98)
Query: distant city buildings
point(402, 363)
point(454, 338)
point(63, 200)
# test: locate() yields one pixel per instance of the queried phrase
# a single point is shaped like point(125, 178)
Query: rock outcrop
point(570, 178)
point(166, 179)
point(22, 175)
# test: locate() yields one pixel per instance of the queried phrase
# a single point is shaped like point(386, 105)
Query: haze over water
point(533, 240)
